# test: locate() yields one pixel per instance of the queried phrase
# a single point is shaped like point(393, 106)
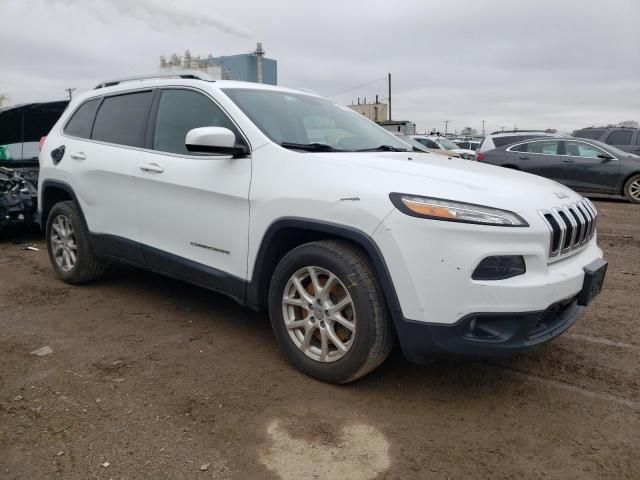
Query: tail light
point(41, 143)
point(480, 157)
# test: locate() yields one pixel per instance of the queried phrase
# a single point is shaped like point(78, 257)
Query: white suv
point(290, 202)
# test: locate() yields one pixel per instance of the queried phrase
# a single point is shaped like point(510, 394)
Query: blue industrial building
point(248, 67)
point(245, 67)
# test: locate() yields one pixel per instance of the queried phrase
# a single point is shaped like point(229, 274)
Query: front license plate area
point(593, 280)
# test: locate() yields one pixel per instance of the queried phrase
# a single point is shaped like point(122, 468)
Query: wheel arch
point(55, 191)
point(626, 179)
point(287, 233)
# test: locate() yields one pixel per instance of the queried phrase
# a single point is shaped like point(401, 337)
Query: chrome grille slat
point(570, 227)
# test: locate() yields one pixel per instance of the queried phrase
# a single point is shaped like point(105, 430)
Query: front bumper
point(482, 335)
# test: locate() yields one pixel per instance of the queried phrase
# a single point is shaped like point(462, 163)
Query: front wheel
point(632, 189)
point(327, 312)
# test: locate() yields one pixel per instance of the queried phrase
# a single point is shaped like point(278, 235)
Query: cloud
point(533, 64)
point(158, 16)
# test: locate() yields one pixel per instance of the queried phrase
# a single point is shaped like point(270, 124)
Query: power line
point(358, 86)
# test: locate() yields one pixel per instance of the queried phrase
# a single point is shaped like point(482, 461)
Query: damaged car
point(22, 127)
point(18, 198)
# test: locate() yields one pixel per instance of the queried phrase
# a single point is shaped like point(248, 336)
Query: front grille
point(570, 226)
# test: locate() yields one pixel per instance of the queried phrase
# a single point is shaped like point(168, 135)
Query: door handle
point(151, 168)
point(523, 158)
point(567, 160)
point(78, 156)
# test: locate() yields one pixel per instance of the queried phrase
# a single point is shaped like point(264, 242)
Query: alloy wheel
point(319, 314)
point(63, 243)
point(634, 189)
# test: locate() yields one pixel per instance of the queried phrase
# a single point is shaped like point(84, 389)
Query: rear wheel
point(632, 189)
point(70, 252)
point(327, 312)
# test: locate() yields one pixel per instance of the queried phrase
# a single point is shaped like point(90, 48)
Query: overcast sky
point(537, 64)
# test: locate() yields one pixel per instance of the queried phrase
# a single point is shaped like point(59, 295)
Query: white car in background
point(500, 139)
point(442, 143)
point(294, 204)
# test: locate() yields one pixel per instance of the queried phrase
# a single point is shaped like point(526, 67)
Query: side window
point(544, 147)
point(122, 119)
point(80, 123)
point(619, 137)
point(638, 137)
point(428, 143)
point(580, 149)
point(180, 111)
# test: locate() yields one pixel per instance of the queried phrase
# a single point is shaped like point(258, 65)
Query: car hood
point(455, 179)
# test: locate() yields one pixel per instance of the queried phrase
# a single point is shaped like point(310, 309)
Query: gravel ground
point(153, 378)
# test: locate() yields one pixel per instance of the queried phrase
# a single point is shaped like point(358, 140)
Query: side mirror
point(214, 140)
point(606, 157)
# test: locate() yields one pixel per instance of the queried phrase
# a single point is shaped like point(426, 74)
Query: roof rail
point(186, 74)
point(517, 131)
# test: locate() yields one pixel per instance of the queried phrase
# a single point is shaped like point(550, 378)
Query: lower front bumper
point(481, 335)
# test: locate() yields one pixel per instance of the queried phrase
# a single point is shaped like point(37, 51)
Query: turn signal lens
point(427, 210)
point(449, 210)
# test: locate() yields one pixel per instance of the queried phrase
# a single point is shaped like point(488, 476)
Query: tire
point(632, 189)
point(353, 297)
point(66, 230)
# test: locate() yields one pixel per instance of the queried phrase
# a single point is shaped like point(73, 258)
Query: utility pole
point(389, 80)
point(70, 92)
point(483, 127)
point(446, 124)
point(502, 129)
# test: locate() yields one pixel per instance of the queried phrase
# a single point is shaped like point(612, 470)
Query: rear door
point(103, 166)
point(193, 208)
point(587, 170)
point(621, 138)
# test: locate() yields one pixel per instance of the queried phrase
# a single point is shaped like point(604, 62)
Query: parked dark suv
point(580, 164)
point(626, 139)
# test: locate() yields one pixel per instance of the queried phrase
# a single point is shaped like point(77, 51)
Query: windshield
point(447, 144)
point(414, 143)
point(297, 121)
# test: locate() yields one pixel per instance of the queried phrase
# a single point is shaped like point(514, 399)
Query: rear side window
point(620, 137)
point(592, 134)
point(122, 119)
point(80, 123)
point(543, 147)
point(180, 111)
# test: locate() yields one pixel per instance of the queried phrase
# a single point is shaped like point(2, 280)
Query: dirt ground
point(153, 378)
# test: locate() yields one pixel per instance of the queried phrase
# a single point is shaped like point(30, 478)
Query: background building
point(376, 111)
point(248, 67)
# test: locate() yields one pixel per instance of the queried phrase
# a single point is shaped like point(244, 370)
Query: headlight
point(450, 211)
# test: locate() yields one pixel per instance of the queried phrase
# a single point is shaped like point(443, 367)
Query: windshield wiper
point(383, 148)
point(311, 147)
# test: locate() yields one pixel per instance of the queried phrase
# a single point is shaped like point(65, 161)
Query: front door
point(193, 208)
point(589, 169)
